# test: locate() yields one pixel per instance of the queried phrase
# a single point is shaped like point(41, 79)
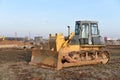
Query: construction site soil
point(14, 66)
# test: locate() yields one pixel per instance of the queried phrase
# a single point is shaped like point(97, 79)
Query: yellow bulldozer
point(83, 47)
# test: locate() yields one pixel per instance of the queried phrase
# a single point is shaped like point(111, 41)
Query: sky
point(42, 17)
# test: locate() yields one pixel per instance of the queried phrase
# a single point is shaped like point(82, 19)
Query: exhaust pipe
point(68, 30)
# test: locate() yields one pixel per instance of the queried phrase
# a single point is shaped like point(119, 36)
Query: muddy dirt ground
point(14, 66)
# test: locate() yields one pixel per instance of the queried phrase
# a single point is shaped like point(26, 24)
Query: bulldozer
point(85, 46)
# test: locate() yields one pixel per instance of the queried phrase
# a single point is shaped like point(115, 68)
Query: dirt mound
point(14, 55)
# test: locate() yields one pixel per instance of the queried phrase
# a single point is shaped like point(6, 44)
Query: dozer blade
point(44, 58)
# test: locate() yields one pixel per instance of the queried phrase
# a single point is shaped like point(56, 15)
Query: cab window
point(94, 29)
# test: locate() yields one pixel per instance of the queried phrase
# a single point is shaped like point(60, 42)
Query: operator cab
point(87, 32)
